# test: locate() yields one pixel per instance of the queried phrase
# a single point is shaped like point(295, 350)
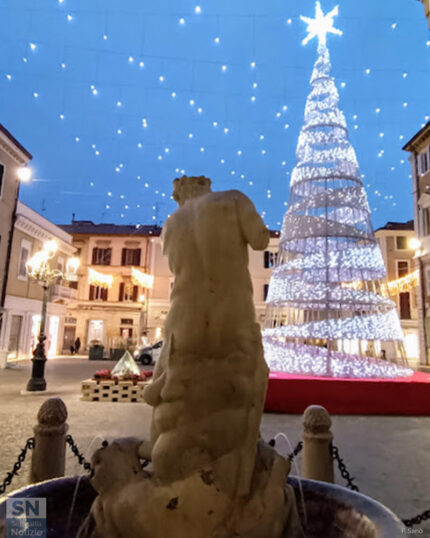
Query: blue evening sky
point(115, 98)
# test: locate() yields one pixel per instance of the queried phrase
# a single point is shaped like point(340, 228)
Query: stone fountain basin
point(331, 511)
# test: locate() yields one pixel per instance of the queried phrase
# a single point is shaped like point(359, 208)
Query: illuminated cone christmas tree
point(328, 312)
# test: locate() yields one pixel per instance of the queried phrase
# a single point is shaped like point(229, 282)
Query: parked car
point(150, 354)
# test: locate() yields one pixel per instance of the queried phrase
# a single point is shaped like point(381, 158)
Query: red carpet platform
point(289, 393)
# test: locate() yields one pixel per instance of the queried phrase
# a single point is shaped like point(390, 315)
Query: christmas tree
point(328, 311)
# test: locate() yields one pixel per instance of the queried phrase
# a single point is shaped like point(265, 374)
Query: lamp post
point(40, 271)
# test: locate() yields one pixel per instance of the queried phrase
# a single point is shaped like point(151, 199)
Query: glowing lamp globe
point(24, 174)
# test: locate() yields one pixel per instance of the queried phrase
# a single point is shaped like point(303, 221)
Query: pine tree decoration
point(328, 312)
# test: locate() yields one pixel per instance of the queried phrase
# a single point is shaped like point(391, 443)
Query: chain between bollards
point(29, 445)
point(424, 516)
point(334, 451)
point(81, 459)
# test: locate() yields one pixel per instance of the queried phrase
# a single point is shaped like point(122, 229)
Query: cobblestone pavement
point(389, 456)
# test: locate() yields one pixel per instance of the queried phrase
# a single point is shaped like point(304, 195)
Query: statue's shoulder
point(232, 195)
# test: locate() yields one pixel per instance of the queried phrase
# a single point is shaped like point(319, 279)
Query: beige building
point(23, 301)
point(13, 156)
point(419, 149)
point(126, 310)
point(398, 253)
point(113, 299)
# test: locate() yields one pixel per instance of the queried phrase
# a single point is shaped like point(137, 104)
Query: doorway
point(69, 338)
point(15, 335)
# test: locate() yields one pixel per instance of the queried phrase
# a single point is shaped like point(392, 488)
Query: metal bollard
point(49, 453)
point(317, 462)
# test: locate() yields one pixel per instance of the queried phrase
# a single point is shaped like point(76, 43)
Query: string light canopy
point(328, 312)
point(95, 278)
point(139, 278)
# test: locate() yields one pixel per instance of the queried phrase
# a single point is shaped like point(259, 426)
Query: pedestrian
point(72, 349)
point(77, 345)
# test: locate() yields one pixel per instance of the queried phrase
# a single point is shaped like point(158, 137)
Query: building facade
point(419, 148)
point(13, 156)
point(121, 309)
point(114, 289)
point(398, 251)
point(23, 301)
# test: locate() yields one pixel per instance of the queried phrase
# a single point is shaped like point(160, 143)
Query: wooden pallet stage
point(109, 391)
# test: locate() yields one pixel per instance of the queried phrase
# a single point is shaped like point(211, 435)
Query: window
point(423, 162)
point(405, 305)
point(97, 293)
point(1, 178)
point(126, 333)
point(265, 291)
point(24, 255)
point(402, 268)
point(130, 256)
point(269, 259)
point(128, 292)
point(126, 321)
point(101, 256)
point(401, 242)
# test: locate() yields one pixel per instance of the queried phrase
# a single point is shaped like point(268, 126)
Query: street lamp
point(39, 270)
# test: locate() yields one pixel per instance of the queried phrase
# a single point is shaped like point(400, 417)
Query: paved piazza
point(389, 456)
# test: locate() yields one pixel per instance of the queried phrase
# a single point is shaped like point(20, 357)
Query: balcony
point(63, 292)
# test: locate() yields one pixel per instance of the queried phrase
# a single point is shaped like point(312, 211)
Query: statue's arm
point(252, 225)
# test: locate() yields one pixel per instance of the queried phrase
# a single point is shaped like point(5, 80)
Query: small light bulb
point(182, 21)
point(216, 39)
point(33, 46)
point(252, 65)
point(130, 59)
point(224, 68)
point(198, 9)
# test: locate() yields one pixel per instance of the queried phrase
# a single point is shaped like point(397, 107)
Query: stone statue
point(212, 476)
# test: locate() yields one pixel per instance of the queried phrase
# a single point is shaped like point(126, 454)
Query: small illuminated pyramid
point(126, 366)
point(328, 313)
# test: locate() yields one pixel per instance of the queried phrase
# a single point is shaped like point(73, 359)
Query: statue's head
point(185, 188)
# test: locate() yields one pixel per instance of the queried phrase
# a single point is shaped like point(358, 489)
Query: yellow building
point(13, 156)
point(23, 301)
point(419, 148)
point(398, 250)
point(114, 287)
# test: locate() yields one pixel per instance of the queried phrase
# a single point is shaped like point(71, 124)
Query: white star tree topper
point(321, 25)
